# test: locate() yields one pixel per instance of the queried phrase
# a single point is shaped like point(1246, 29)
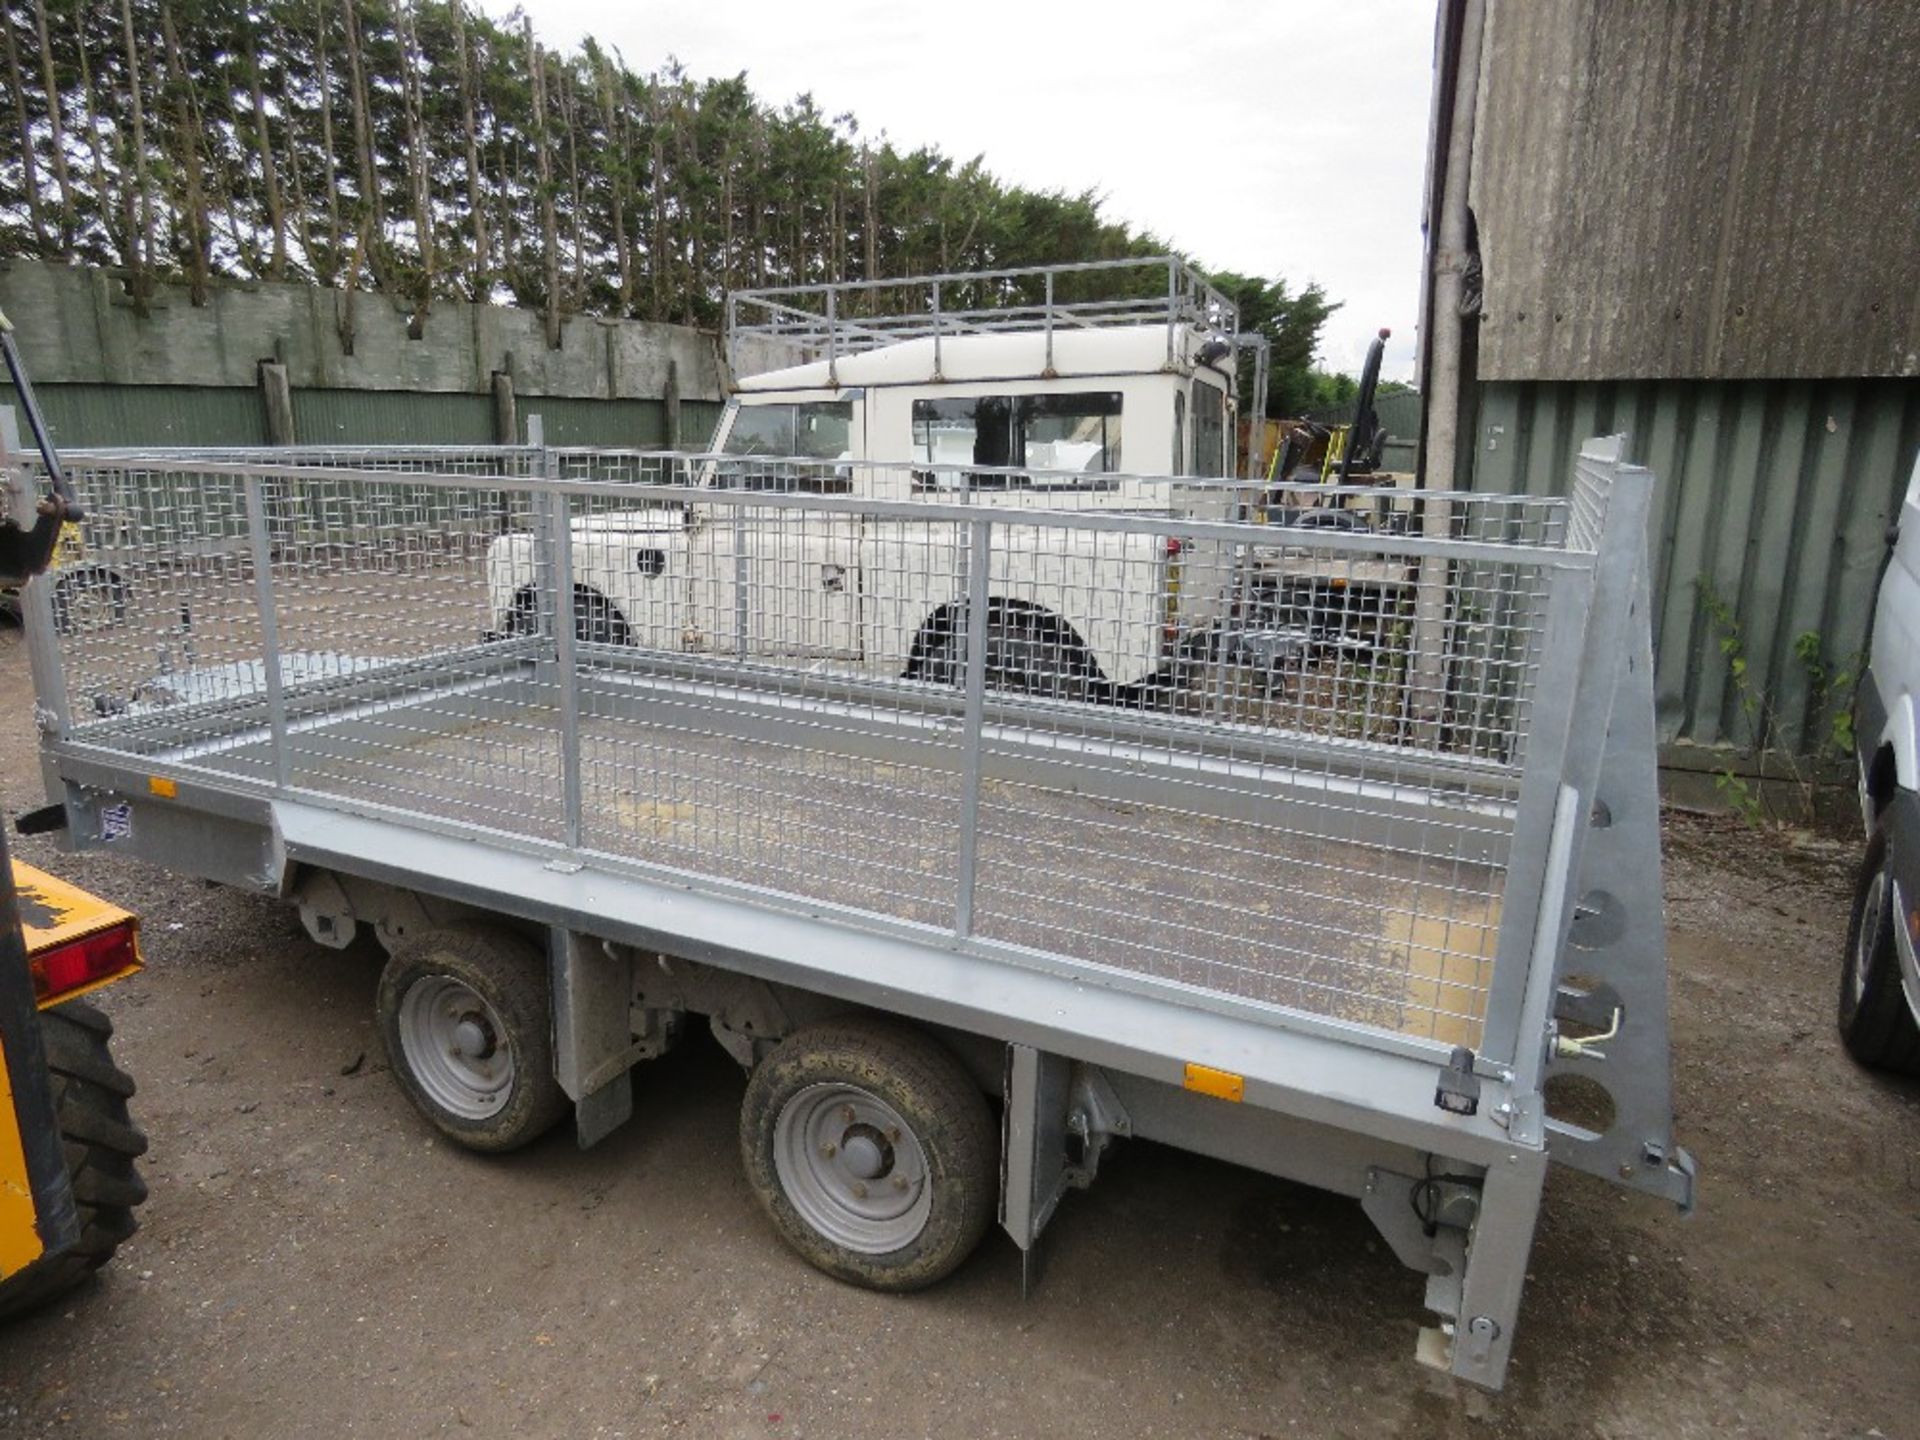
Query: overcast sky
point(1281, 138)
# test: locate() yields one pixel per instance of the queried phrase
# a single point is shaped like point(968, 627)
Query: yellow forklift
point(68, 1184)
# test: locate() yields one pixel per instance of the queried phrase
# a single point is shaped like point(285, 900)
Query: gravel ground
point(312, 1262)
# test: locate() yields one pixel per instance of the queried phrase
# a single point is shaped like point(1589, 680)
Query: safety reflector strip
point(1221, 1084)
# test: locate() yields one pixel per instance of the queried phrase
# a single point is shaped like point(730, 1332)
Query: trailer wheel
point(873, 1152)
point(466, 1017)
point(1875, 1022)
point(100, 1142)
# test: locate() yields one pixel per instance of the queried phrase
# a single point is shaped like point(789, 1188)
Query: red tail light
point(82, 964)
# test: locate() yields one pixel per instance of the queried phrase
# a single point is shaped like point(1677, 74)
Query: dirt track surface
point(313, 1263)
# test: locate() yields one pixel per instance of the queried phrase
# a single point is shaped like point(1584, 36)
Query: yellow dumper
point(68, 1186)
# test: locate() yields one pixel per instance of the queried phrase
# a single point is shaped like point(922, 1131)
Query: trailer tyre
point(873, 1152)
point(467, 1019)
point(1875, 1022)
point(100, 1143)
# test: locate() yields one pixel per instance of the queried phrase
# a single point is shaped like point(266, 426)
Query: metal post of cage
point(559, 519)
point(262, 555)
point(937, 373)
point(1173, 305)
point(979, 562)
point(1560, 619)
point(1047, 371)
point(741, 578)
point(1587, 613)
point(833, 337)
point(53, 712)
point(1621, 551)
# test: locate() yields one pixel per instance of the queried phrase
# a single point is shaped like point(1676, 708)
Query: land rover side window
point(1071, 432)
point(1079, 433)
point(976, 431)
point(1209, 431)
point(815, 430)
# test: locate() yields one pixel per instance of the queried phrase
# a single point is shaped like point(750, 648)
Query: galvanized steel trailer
point(1353, 905)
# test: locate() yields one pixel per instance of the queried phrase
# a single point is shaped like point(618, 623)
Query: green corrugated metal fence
point(147, 414)
point(98, 415)
point(391, 417)
point(1778, 493)
point(624, 424)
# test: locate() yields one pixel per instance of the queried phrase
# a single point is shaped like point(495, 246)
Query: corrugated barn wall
point(1699, 223)
point(1776, 493)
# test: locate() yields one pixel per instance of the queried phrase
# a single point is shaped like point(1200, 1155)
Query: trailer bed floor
point(1251, 910)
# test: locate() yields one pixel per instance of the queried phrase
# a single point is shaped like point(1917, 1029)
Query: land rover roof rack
point(797, 324)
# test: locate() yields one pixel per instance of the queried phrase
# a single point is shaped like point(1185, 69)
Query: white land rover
point(1092, 405)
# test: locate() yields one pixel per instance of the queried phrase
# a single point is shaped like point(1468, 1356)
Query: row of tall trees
point(425, 150)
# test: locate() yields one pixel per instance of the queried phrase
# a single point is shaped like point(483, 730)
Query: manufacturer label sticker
point(116, 822)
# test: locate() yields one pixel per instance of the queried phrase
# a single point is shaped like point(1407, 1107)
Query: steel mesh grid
point(158, 611)
point(1214, 764)
point(388, 575)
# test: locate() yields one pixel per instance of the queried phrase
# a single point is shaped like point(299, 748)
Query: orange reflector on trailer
point(166, 789)
point(1221, 1084)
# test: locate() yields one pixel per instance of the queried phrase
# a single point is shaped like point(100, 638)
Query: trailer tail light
point(64, 971)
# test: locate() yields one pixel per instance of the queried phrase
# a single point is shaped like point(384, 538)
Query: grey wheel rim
point(456, 1048)
point(1869, 934)
point(852, 1168)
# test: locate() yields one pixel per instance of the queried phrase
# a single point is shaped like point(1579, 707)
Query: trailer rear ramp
point(1340, 915)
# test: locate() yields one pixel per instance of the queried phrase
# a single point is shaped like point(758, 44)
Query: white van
point(1880, 980)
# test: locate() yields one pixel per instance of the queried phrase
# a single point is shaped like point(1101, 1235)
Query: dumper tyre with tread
point(100, 1143)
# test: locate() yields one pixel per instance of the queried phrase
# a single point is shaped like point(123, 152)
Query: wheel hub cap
point(865, 1153)
point(450, 1042)
point(852, 1167)
point(470, 1039)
